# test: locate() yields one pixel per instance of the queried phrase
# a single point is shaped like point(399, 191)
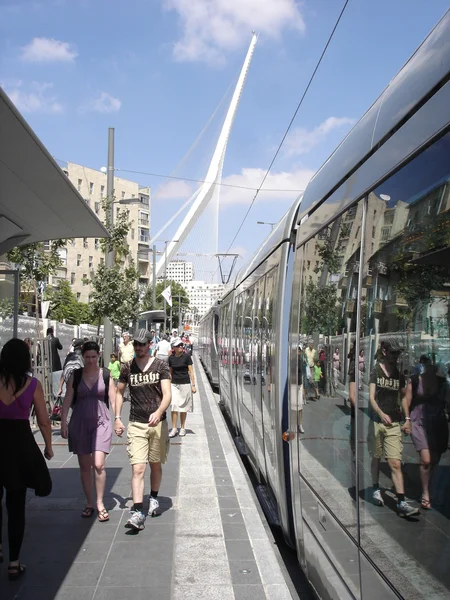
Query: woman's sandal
point(87, 512)
point(425, 504)
point(103, 515)
point(15, 572)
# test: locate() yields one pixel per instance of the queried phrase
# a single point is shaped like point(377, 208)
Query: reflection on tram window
point(404, 462)
point(326, 364)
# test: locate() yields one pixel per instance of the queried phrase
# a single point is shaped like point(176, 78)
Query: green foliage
point(320, 312)
point(180, 298)
point(65, 307)
point(6, 308)
point(35, 263)
point(115, 294)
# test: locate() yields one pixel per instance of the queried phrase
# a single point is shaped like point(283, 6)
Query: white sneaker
point(153, 507)
point(173, 432)
point(377, 498)
point(182, 432)
point(136, 521)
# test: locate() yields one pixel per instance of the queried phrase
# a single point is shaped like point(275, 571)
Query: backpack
point(78, 373)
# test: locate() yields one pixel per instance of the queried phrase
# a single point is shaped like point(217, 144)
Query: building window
point(117, 212)
point(102, 260)
point(102, 191)
point(97, 243)
point(85, 243)
point(91, 262)
point(78, 260)
point(84, 278)
point(46, 245)
point(385, 233)
point(123, 195)
point(373, 231)
point(91, 187)
point(133, 195)
point(80, 181)
point(97, 207)
point(72, 278)
point(78, 295)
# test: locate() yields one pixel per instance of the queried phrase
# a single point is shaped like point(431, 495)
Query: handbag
point(56, 412)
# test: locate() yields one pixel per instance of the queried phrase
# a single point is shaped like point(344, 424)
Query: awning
point(37, 200)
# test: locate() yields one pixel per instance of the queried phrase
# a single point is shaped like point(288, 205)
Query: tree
point(64, 305)
point(115, 293)
point(180, 299)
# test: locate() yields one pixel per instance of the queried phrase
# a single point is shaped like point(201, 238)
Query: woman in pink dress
point(90, 391)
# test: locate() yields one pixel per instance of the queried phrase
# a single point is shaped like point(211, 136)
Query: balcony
point(378, 306)
point(367, 278)
point(143, 222)
point(395, 303)
point(343, 282)
point(350, 306)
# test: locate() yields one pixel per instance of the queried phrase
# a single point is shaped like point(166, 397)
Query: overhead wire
point(258, 190)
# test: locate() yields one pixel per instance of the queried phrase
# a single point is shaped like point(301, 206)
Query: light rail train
point(361, 258)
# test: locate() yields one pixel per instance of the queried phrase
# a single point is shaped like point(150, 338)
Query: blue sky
point(157, 69)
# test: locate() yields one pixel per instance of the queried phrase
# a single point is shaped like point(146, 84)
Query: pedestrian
point(163, 349)
point(386, 395)
point(300, 390)
point(126, 353)
point(22, 465)
point(55, 345)
point(426, 422)
point(114, 368)
point(183, 386)
point(310, 356)
point(148, 379)
point(336, 367)
point(90, 391)
point(361, 368)
point(317, 378)
point(74, 360)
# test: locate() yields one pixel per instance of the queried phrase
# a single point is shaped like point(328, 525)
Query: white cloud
point(172, 190)
point(283, 180)
point(213, 27)
point(301, 140)
point(36, 99)
point(103, 103)
point(48, 50)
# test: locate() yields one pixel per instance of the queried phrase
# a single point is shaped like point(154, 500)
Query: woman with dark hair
point(90, 391)
point(22, 465)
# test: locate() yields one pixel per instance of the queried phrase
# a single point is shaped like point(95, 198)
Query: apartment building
point(82, 256)
point(180, 271)
point(203, 295)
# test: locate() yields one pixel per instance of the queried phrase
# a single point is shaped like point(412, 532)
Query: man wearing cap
point(148, 379)
point(387, 394)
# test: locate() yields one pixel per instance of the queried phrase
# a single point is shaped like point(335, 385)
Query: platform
point(211, 540)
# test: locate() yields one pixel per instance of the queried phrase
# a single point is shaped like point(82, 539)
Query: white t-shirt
point(163, 348)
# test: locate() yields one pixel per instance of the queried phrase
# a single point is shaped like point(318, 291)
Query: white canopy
point(37, 200)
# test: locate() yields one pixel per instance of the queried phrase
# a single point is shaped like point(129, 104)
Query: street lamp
point(272, 225)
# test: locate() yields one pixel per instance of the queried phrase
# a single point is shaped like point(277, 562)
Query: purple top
point(20, 408)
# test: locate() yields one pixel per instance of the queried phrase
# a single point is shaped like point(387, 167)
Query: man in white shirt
point(163, 349)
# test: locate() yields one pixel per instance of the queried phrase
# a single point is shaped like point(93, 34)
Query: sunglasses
point(140, 343)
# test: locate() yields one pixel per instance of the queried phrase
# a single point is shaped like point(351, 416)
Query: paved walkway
point(211, 540)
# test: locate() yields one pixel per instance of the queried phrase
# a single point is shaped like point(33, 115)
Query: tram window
point(247, 333)
point(327, 332)
point(405, 341)
point(268, 362)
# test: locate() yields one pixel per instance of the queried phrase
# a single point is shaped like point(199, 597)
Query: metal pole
point(107, 325)
point(154, 278)
point(165, 276)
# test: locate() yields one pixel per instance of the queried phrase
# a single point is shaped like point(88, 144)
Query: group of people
point(92, 392)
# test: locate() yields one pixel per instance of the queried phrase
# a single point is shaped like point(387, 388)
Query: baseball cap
point(142, 336)
point(176, 342)
point(391, 344)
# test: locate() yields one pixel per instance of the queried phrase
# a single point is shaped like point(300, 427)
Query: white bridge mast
point(214, 175)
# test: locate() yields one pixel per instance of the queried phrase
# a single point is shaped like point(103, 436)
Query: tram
point(362, 259)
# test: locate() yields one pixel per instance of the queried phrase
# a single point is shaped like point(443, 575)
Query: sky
point(156, 70)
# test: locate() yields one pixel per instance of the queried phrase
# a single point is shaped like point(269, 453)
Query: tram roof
point(37, 200)
point(423, 72)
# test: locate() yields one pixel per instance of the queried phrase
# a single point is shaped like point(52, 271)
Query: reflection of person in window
point(387, 388)
point(336, 367)
point(310, 355)
point(352, 395)
point(300, 391)
point(362, 368)
point(426, 422)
